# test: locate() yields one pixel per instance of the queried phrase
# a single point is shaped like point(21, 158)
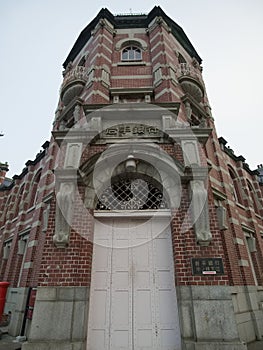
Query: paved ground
point(257, 345)
point(8, 343)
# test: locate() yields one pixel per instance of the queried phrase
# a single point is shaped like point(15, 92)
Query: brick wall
point(46, 265)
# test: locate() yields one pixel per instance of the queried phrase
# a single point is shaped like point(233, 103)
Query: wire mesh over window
point(131, 194)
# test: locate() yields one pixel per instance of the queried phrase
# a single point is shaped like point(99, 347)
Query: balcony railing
point(73, 83)
point(77, 73)
point(185, 69)
point(191, 81)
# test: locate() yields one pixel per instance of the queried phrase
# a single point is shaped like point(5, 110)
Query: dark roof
point(131, 21)
point(240, 158)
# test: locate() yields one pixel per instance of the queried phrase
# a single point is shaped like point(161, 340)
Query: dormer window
point(131, 53)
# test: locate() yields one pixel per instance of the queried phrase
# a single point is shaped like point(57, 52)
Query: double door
point(133, 304)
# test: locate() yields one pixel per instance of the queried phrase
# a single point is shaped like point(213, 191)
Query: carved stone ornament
point(76, 114)
point(64, 211)
point(200, 213)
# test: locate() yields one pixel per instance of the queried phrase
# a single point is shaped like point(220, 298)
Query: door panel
point(165, 295)
point(133, 303)
point(121, 286)
point(144, 318)
point(99, 308)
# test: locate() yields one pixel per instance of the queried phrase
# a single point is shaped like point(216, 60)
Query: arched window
point(6, 207)
point(131, 194)
point(181, 58)
point(19, 202)
point(253, 197)
point(131, 53)
point(34, 189)
point(235, 186)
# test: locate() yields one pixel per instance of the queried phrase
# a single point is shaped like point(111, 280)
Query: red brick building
point(135, 227)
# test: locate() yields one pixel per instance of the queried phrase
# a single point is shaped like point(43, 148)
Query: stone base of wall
point(211, 317)
point(16, 304)
point(248, 306)
point(207, 318)
point(59, 319)
point(215, 346)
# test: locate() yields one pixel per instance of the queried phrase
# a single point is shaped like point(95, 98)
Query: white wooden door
point(100, 293)
point(133, 303)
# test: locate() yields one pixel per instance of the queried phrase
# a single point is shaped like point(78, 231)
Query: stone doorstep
point(54, 346)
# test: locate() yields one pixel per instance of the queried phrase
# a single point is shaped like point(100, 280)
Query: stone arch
point(126, 42)
point(151, 163)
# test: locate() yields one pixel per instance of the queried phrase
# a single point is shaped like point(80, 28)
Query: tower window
point(253, 198)
point(181, 58)
point(131, 53)
point(235, 185)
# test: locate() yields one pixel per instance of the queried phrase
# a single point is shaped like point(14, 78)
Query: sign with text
point(207, 266)
point(132, 130)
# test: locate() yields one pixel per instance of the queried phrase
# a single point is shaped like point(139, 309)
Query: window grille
point(131, 194)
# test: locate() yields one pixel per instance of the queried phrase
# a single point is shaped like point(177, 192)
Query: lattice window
point(131, 194)
point(131, 53)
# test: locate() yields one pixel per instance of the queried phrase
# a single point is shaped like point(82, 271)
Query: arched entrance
point(133, 304)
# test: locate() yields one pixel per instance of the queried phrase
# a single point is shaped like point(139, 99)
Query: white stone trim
point(98, 55)
point(247, 229)
point(100, 45)
point(234, 221)
point(164, 91)
point(162, 53)
point(218, 168)
point(131, 31)
point(33, 243)
point(161, 42)
point(215, 181)
point(117, 77)
point(155, 36)
point(239, 241)
point(140, 43)
point(28, 265)
point(133, 213)
point(97, 92)
point(36, 223)
point(243, 262)
point(99, 36)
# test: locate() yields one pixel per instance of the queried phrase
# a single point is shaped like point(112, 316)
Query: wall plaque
point(132, 130)
point(207, 266)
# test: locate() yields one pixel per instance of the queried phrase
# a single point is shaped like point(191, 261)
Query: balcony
point(190, 80)
point(73, 84)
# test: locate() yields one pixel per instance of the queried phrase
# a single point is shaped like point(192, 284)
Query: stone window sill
point(131, 63)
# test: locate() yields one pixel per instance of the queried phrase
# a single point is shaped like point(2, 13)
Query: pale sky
point(36, 37)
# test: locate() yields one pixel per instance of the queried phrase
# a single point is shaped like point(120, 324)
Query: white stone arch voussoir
point(134, 41)
point(152, 162)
